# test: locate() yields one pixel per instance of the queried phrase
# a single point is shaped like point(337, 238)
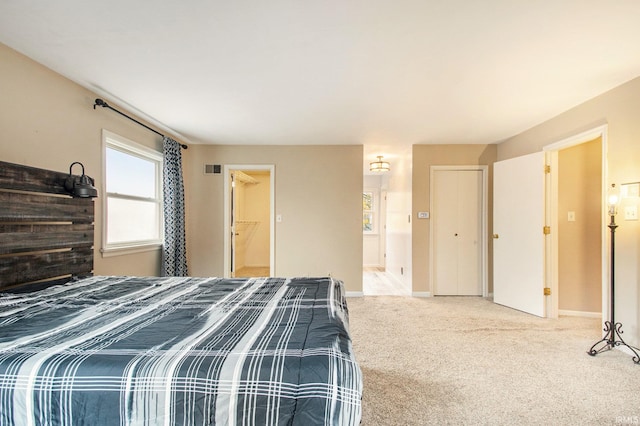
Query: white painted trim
point(227, 168)
point(354, 294)
point(567, 313)
point(114, 141)
point(578, 139)
point(552, 205)
point(111, 252)
point(382, 241)
point(626, 350)
point(484, 222)
point(421, 294)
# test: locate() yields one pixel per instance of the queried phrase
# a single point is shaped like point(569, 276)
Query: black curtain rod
point(102, 103)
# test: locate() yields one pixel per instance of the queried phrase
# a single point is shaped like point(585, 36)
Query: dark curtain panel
point(174, 251)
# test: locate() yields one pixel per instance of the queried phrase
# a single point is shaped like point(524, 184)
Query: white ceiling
point(382, 73)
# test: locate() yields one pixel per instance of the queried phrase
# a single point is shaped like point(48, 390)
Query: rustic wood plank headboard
point(46, 236)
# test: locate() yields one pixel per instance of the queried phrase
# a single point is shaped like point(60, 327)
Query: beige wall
point(619, 109)
point(47, 121)
point(425, 156)
point(318, 192)
point(580, 241)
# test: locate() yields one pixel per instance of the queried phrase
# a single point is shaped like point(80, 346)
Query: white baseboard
point(626, 350)
point(354, 294)
point(421, 294)
point(580, 314)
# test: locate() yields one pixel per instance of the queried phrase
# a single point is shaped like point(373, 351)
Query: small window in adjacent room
point(133, 195)
point(368, 212)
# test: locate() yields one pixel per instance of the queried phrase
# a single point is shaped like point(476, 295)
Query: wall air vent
point(212, 168)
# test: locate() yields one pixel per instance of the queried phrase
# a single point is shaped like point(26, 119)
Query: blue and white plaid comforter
point(179, 351)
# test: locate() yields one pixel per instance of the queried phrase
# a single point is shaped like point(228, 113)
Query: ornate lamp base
point(609, 341)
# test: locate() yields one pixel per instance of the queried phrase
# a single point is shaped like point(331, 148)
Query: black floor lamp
point(613, 329)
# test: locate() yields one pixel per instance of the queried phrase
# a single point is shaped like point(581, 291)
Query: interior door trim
point(551, 202)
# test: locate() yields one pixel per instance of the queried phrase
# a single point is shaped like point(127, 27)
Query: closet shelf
point(244, 178)
point(251, 222)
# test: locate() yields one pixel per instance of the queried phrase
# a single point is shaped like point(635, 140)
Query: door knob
point(496, 236)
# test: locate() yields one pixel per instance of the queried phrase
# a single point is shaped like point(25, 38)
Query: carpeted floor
point(466, 361)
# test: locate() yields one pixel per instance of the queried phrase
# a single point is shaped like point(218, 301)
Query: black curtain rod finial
point(100, 102)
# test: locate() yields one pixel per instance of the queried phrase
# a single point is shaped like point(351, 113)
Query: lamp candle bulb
point(613, 199)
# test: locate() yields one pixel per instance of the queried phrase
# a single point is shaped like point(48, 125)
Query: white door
point(457, 232)
point(233, 224)
point(518, 245)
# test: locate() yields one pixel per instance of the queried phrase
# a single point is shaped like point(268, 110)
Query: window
point(133, 189)
point(368, 210)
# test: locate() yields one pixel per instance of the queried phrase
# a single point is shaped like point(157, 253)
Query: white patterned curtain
point(174, 251)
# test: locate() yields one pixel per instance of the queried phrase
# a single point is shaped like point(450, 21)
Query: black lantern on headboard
point(80, 186)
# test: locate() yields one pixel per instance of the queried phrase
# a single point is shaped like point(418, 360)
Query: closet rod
point(102, 103)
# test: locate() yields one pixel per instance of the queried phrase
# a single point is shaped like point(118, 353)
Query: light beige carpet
point(466, 361)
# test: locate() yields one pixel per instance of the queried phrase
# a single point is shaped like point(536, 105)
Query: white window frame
point(374, 211)
point(122, 144)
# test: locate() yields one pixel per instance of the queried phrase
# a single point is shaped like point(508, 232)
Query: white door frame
point(227, 169)
point(551, 202)
point(382, 223)
point(484, 237)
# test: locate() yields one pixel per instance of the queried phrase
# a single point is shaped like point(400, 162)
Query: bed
point(78, 349)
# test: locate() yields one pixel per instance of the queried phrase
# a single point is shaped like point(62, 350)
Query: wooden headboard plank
point(25, 178)
point(18, 207)
point(21, 238)
point(46, 236)
point(33, 267)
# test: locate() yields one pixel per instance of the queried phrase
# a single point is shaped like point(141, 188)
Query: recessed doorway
point(249, 221)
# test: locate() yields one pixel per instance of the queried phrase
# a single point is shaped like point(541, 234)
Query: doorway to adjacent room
point(249, 221)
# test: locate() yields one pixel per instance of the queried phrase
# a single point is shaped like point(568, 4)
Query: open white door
point(518, 245)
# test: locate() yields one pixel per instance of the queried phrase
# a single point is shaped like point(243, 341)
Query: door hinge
point(547, 291)
point(547, 168)
point(546, 230)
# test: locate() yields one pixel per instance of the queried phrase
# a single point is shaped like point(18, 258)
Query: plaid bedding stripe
point(179, 351)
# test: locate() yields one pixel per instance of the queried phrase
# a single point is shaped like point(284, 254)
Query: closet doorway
point(249, 220)
point(458, 230)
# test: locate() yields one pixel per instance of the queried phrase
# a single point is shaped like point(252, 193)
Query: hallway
point(376, 282)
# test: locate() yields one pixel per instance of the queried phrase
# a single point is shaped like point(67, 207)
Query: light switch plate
point(571, 216)
point(631, 213)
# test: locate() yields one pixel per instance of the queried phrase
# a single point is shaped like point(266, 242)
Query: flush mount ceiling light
point(379, 166)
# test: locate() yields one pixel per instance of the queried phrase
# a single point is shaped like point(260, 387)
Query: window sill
point(122, 251)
